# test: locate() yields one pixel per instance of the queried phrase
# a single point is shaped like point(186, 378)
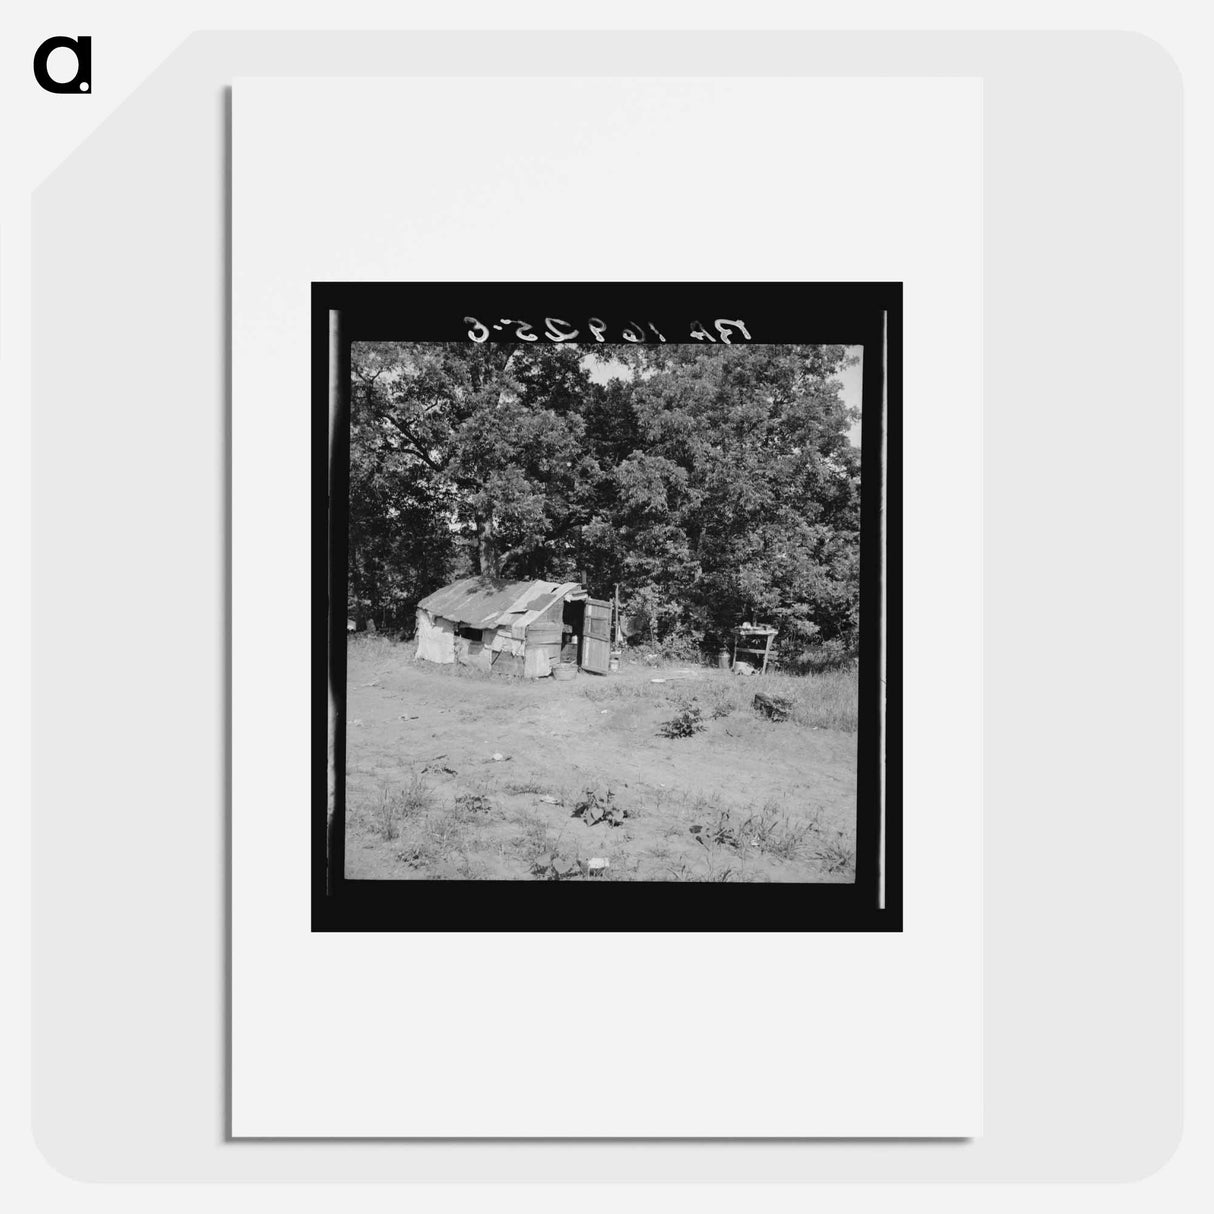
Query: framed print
point(606, 605)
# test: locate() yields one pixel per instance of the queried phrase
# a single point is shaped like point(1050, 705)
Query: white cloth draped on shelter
point(435, 638)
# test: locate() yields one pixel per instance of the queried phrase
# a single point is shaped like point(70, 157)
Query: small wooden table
point(752, 634)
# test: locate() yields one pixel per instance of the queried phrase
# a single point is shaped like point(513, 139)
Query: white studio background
point(1081, 201)
point(619, 179)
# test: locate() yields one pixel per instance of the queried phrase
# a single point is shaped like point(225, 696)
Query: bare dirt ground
point(428, 799)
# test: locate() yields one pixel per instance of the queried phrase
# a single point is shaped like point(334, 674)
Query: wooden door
point(596, 637)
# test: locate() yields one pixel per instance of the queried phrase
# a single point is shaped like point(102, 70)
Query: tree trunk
point(486, 546)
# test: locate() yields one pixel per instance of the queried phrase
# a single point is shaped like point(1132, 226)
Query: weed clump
point(767, 831)
point(552, 866)
point(685, 723)
point(415, 855)
point(593, 809)
point(416, 799)
point(721, 832)
point(385, 816)
point(471, 803)
point(395, 807)
point(838, 855)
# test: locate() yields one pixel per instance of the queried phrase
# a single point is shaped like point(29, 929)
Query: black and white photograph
point(600, 608)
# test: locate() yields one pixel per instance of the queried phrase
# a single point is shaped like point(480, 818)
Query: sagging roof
point(481, 602)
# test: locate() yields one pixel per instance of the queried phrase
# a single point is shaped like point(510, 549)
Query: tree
point(399, 546)
point(497, 431)
point(742, 496)
point(714, 484)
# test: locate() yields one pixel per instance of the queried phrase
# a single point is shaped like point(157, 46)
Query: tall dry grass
point(824, 701)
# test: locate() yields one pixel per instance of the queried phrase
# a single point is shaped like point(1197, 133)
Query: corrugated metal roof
point(481, 602)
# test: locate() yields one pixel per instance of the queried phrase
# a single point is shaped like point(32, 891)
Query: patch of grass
point(417, 797)
point(621, 865)
point(544, 854)
point(716, 835)
point(768, 831)
point(708, 870)
point(440, 823)
point(415, 855)
point(459, 671)
point(536, 840)
point(698, 807)
point(442, 670)
point(622, 690)
point(445, 834)
point(826, 699)
point(823, 658)
point(396, 806)
point(386, 816)
point(829, 700)
point(838, 855)
point(470, 870)
point(719, 832)
point(775, 834)
point(370, 646)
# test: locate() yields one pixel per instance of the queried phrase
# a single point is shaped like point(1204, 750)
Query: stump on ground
point(774, 707)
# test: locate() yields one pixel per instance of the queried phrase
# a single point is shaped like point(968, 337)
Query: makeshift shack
point(514, 628)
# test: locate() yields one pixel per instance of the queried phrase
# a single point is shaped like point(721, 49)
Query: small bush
point(685, 723)
point(593, 809)
point(681, 646)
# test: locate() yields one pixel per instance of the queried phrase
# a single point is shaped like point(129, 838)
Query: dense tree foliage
point(714, 484)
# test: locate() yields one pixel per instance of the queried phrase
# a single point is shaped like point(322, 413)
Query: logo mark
point(82, 48)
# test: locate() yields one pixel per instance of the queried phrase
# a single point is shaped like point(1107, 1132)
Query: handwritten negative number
point(723, 326)
point(557, 330)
